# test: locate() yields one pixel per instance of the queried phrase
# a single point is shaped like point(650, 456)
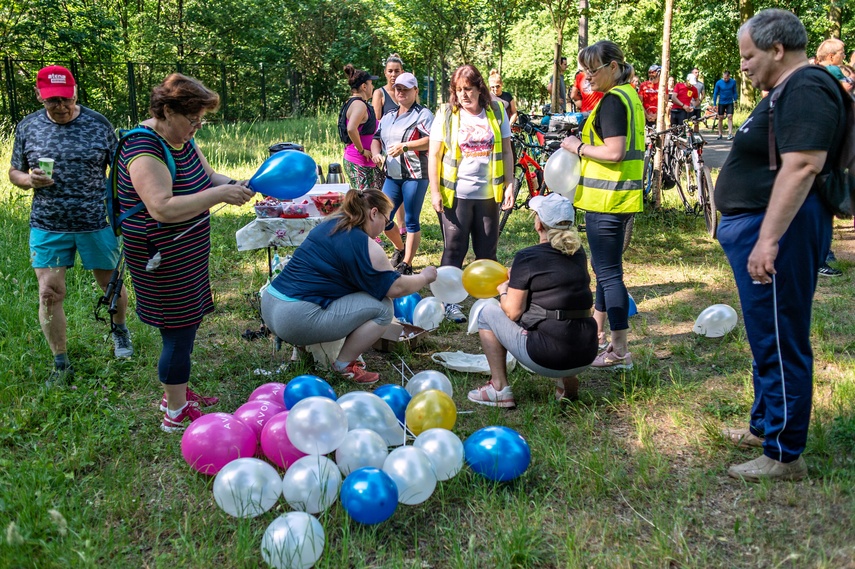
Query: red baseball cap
point(55, 81)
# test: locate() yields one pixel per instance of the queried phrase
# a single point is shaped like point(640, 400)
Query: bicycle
point(684, 156)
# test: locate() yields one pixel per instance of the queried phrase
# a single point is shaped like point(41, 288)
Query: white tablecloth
point(275, 232)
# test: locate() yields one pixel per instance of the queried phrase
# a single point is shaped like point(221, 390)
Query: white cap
point(554, 210)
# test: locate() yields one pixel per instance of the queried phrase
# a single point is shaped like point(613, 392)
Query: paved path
point(715, 151)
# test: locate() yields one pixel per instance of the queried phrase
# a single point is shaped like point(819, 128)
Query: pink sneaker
point(487, 395)
point(612, 360)
point(192, 396)
point(189, 414)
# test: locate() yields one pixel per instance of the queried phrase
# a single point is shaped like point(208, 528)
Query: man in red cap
point(62, 152)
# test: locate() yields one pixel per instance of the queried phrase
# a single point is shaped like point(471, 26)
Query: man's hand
point(761, 262)
point(39, 180)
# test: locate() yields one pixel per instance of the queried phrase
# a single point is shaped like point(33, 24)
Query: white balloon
point(476, 309)
point(429, 379)
point(444, 450)
point(561, 173)
point(428, 313)
point(311, 484)
point(316, 425)
point(361, 447)
point(367, 411)
point(293, 541)
point(413, 474)
point(715, 321)
point(247, 487)
point(448, 286)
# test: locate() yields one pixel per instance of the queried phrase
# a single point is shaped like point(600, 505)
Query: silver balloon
point(316, 425)
point(715, 321)
point(367, 411)
point(293, 541)
point(311, 484)
point(361, 447)
point(428, 313)
point(429, 379)
point(448, 286)
point(247, 487)
point(413, 474)
point(444, 450)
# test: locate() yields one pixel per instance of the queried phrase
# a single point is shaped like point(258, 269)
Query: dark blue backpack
point(115, 216)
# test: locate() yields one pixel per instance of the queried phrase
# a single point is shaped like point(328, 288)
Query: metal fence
point(120, 91)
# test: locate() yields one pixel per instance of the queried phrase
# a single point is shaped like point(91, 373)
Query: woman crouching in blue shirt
point(339, 283)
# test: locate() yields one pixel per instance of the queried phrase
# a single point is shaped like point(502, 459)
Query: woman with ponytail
point(361, 124)
point(339, 284)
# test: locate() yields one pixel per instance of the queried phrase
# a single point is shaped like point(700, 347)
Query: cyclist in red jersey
point(649, 92)
point(582, 95)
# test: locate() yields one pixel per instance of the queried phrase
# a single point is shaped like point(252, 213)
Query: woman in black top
point(544, 317)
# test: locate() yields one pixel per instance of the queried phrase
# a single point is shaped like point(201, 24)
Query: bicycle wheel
point(679, 166)
point(647, 175)
point(519, 183)
point(627, 232)
point(691, 188)
point(705, 196)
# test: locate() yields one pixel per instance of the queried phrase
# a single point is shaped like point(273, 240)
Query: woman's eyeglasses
point(591, 72)
point(195, 123)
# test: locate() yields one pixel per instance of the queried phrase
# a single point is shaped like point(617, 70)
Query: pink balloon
point(257, 412)
point(214, 440)
point(275, 443)
point(269, 392)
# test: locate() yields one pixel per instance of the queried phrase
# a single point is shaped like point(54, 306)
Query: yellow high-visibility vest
point(451, 157)
point(614, 187)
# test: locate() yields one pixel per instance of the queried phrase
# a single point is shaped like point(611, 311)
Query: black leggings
point(478, 218)
point(173, 368)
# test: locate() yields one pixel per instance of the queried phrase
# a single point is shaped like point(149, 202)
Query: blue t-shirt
point(330, 265)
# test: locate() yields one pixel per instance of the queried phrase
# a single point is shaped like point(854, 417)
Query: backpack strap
point(114, 169)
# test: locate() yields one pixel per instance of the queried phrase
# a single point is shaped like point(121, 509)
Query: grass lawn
point(632, 475)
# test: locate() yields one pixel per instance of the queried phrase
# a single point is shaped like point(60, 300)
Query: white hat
point(554, 210)
point(691, 78)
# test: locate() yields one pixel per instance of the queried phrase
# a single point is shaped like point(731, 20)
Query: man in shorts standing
point(724, 95)
point(68, 215)
point(649, 92)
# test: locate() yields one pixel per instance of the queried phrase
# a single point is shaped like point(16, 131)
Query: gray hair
point(772, 26)
point(602, 53)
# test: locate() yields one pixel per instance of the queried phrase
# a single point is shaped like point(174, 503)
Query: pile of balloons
point(338, 448)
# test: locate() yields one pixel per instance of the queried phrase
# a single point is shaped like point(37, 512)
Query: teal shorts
point(97, 249)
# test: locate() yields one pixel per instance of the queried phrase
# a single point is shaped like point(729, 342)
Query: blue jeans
point(777, 322)
point(605, 239)
point(410, 193)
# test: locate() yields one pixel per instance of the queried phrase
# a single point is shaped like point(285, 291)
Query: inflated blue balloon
point(497, 453)
point(633, 309)
point(369, 495)
point(286, 175)
point(396, 397)
point(405, 306)
point(304, 386)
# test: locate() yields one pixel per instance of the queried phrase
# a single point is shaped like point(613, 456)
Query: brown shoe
point(765, 468)
point(743, 438)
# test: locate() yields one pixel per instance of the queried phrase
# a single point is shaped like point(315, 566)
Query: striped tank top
point(178, 292)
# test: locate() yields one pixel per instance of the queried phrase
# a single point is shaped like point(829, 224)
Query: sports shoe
point(730, 137)
point(765, 468)
point(719, 137)
point(60, 376)
point(487, 395)
point(397, 257)
point(189, 414)
point(453, 313)
point(828, 271)
point(602, 342)
point(357, 374)
point(404, 268)
point(122, 347)
point(610, 359)
point(193, 396)
point(743, 438)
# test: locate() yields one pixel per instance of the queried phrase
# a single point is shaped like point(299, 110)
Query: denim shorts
point(97, 249)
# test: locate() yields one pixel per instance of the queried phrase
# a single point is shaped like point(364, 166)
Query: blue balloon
point(369, 495)
point(286, 175)
point(397, 398)
point(304, 386)
point(405, 306)
point(497, 453)
point(633, 309)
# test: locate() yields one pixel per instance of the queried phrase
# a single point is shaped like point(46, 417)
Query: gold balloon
point(430, 409)
point(481, 278)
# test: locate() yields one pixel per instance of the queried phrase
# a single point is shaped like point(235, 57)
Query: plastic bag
point(469, 363)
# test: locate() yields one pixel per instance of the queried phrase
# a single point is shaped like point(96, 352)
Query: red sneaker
point(192, 396)
point(358, 374)
point(189, 414)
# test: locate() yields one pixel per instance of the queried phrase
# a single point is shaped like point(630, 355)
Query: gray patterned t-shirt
point(82, 150)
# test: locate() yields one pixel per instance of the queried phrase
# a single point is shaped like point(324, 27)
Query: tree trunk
point(583, 24)
point(746, 90)
point(835, 17)
point(555, 78)
point(663, 97)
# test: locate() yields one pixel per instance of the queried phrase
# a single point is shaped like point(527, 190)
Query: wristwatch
point(406, 148)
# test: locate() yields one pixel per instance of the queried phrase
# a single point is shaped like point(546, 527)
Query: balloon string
point(186, 231)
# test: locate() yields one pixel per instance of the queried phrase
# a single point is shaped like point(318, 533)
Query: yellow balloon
point(430, 409)
point(481, 278)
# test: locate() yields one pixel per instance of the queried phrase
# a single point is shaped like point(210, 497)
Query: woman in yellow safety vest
point(471, 171)
point(611, 150)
